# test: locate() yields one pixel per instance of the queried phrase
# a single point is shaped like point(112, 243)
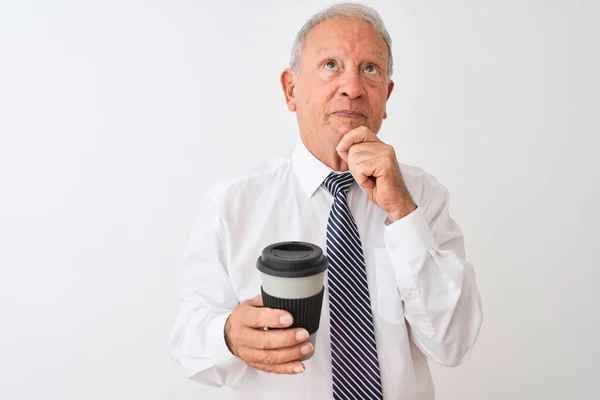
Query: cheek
point(317, 102)
point(378, 101)
point(316, 94)
point(326, 94)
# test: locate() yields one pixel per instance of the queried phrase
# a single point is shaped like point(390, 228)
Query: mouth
point(349, 114)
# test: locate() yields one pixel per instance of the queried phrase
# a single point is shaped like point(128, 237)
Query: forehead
point(346, 35)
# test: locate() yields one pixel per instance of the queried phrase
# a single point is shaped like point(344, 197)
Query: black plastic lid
point(292, 260)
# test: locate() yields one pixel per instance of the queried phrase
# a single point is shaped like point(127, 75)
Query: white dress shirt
point(423, 293)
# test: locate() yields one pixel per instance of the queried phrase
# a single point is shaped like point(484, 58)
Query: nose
point(351, 86)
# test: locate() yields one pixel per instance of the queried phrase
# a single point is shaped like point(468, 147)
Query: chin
point(335, 137)
point(343, 127)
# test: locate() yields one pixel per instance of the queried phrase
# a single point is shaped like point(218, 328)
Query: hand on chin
point(340, 130)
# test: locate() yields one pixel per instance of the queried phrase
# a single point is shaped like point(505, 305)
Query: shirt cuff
point(216, 340)
point(408, 240)
point(409, 237)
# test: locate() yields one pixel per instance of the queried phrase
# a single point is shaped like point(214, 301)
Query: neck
point(336, 163)
point(329, 156)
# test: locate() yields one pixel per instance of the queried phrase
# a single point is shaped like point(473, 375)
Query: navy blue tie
point(355, 367)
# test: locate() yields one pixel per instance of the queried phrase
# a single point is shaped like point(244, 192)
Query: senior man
point(398, 289)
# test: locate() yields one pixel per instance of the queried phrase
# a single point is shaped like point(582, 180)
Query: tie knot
point(339, 182)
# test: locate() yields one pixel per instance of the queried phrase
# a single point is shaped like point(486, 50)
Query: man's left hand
point(375, 168)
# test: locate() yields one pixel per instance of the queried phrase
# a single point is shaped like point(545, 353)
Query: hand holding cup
point(274, 350)
point(278, 337)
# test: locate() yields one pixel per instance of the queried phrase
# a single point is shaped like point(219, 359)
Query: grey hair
point(339, 11)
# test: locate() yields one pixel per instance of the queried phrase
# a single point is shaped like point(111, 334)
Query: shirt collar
point(309, 170)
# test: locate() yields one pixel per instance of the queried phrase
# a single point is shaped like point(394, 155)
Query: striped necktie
point(355, 367)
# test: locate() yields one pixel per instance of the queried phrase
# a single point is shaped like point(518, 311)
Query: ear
point(390, 89)
point(288, 84)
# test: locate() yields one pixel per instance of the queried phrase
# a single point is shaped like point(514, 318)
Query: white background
point(115, 117)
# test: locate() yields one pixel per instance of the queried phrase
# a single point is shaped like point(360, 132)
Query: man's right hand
point(275, 351)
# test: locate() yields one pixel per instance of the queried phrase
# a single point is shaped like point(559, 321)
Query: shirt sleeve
point(437, 285)
point(197, 339)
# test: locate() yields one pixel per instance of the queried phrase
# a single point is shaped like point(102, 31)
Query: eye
point(371, 69)
point(330, 65)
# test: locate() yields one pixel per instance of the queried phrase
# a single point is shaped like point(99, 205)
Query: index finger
point(263, 317)
point(356, 135)
point(256, 301)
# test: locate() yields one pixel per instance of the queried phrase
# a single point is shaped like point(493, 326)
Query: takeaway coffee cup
point(292, 279)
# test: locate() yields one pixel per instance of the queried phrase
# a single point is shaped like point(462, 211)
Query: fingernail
point(307, 348)
point(298, 370)
point(339, 146)
point(285, 320)
point(302, 335)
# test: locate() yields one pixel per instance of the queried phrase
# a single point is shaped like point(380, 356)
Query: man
point(398, 289)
